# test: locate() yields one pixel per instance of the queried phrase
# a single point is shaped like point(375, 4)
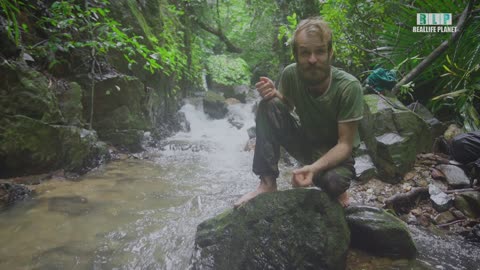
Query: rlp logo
point(434, 18)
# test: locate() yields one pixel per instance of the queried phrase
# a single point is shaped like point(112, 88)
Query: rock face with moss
point(34, 135)
point(119, 116)
point(379, 233)
point(393, 136)
point(293, 229)
point(27, 92)
point(44, 113)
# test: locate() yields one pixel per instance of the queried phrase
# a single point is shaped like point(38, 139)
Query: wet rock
point(120, 106)
point(214, 105)
point(25, 91)
point(364, 168)
point(238, 92)
point(377, 232)
point(474, 234)
point(252, 132)
point(411, 219)
point(468, 203)
point(235, 121)
point(390, 147)
point(11, 193)
point(293, 229)
point(458, 214)
point(71, 205)
point(437, 174)
point(360, 150)
point(403, 202)
point(130, 140)
point(444, 217)
point(232, 101)
point(454, 175)
point(440, 200)
point(168, 127)
point(394, 135)
point(437, 127)
point(30, 146)
point(423, 220)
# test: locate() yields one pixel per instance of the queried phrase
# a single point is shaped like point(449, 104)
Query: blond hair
point(314, 25)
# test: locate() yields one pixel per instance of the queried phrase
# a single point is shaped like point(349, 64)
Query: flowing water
point(143, 213)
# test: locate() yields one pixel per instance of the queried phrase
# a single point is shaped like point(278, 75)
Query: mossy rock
point(214, 105)
point(29, 146)
point(379, 233)
point(394, 135)
point(468, 203)
point(119, 107)
point(129, 140)
point(25, 91)
point(293, 229)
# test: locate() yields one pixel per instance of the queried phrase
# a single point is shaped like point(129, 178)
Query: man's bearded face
point(313, 58)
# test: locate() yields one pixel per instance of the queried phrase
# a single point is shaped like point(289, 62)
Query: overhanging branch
point(218, 32)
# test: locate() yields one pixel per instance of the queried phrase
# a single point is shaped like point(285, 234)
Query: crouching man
point(329, 104)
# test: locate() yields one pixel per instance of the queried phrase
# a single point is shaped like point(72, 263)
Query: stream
point(142, 213)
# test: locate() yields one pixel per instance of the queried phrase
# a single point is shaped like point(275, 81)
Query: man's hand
point(303, 177)
point(266, 88)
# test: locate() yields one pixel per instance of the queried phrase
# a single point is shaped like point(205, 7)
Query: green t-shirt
point(319, 116)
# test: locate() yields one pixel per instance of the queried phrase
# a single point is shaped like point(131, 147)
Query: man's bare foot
point(267, 184)
point(343, 199)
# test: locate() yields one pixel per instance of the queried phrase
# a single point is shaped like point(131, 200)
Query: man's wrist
point(316, 168)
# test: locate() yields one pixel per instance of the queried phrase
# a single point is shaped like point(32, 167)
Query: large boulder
point(214, 105)
point(468, 203)
point(36, 132)
point(393, 135)
point(293, 229)
point(29, 146)
point(25, 91)
point(119, 112)
point(379, 233)
point(437, 128)
point(238, 92)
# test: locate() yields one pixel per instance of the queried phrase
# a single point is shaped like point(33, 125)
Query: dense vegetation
point(177, 40)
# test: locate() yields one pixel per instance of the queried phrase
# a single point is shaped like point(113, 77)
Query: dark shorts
point(276, 127)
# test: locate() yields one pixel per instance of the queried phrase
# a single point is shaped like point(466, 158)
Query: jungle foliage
point(372, 34)
point(367, 35)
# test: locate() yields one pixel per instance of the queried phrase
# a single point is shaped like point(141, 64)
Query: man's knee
point(333, 183)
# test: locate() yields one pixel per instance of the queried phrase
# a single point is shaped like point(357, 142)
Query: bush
point(226, 70)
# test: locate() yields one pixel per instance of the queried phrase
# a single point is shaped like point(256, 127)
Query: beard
point(313, 74)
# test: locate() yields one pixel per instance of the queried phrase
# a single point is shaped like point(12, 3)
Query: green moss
point(227, 70)
point(372, 102)
point(279, 230)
